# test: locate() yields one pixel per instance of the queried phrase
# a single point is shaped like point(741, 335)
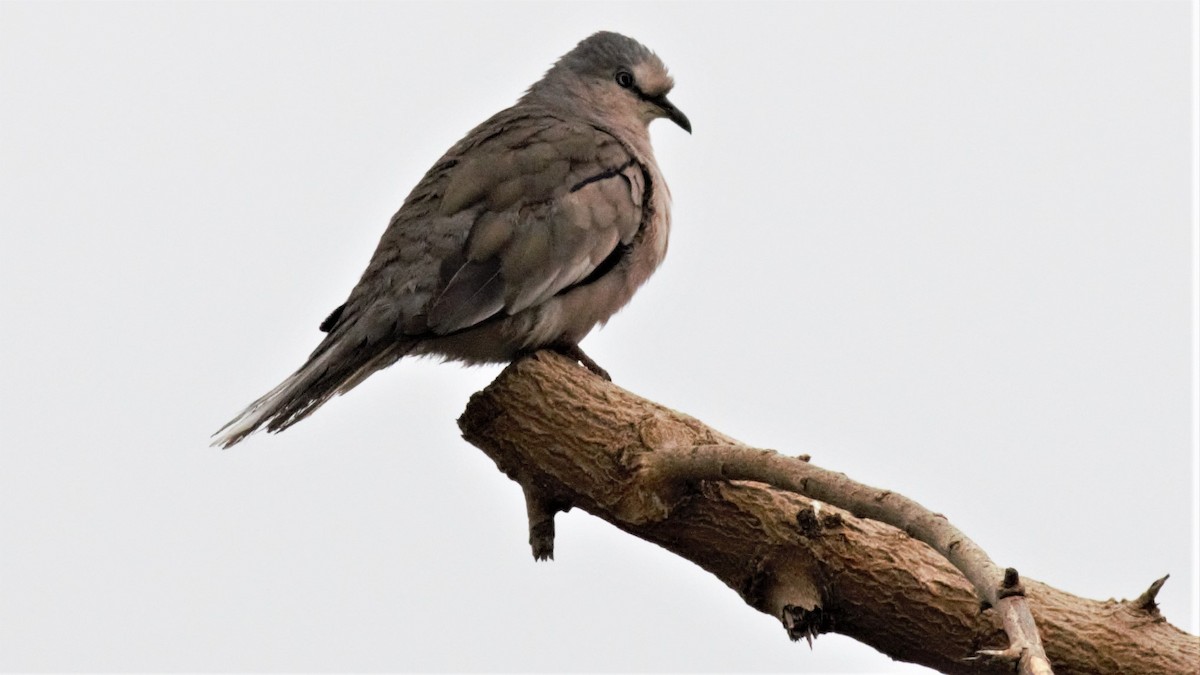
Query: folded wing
point(548, 206)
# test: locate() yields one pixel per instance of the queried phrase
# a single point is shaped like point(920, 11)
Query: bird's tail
point(333, 369)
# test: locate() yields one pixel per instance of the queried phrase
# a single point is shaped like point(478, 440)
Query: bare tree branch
point(1146, 601)
point(571, 439)
point(997, 588)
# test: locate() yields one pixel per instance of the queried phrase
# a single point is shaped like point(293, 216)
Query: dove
point(529, 232)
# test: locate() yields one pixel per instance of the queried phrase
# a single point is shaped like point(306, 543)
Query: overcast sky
point(942, 247)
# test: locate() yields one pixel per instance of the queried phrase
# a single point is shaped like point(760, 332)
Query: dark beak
point(672, 113)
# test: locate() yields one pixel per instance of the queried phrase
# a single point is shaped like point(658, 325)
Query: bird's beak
point(672, 113)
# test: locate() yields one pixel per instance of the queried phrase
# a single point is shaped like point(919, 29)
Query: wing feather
point(548, 210)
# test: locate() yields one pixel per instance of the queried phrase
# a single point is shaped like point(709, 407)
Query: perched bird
point(534, 228)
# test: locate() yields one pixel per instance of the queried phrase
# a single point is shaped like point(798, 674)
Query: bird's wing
point(525, 206)
point(547, 208)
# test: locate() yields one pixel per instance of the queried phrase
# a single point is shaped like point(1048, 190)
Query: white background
point(942, 247)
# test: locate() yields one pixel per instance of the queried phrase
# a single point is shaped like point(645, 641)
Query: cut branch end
point(804, 623)
point(540, 510)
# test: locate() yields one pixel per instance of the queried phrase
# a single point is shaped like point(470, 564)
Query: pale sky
point(944, 248)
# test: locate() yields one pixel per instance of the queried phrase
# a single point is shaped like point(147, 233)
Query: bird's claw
point(572, 351)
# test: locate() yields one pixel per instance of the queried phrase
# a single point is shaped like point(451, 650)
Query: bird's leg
point(572, 351)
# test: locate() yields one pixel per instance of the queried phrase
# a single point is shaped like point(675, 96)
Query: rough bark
point(571, 439)
point(996, 587)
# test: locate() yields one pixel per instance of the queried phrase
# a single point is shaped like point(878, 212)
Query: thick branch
point(571, 439)
point(998, 588)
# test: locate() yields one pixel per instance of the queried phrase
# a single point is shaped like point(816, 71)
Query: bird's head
point(613, 79)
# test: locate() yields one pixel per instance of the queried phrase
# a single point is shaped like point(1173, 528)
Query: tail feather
point(331, 370)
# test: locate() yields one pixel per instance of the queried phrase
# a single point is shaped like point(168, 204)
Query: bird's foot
point(572, 351)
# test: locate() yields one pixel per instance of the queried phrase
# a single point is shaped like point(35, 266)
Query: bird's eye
point(624, 79)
